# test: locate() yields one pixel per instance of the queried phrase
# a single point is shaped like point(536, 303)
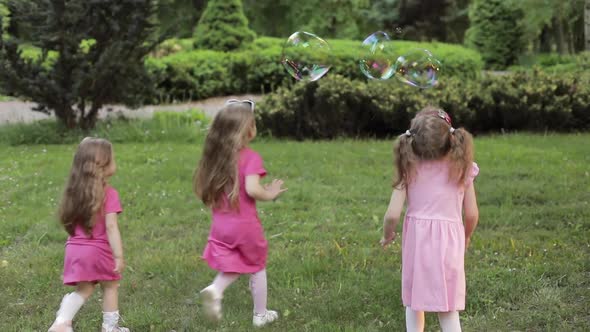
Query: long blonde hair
point(84, 195)
point(217, 171)
point(431, 137)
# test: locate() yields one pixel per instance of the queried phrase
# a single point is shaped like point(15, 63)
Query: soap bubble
point(418, 68)
point(306, 56)
point(377, 58)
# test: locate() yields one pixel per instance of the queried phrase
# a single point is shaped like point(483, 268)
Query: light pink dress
point(236, 240)
point(89, 257)
point(433, 240)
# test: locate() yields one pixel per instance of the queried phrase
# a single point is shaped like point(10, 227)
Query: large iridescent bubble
point(377, 59)
point(306, 56)
point(418, 68)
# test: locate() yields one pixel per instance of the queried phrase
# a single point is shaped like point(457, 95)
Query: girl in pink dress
point(227, 181)
point(435, 173)
point(93, 253)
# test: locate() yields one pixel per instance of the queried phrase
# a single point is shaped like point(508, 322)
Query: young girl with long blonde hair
point(435, 174)
point(94, 252)
point(227, 180)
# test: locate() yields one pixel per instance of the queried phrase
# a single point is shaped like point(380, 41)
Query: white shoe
point(61, 327)
point(115, 328)
point(212, 303)
point(268, 317)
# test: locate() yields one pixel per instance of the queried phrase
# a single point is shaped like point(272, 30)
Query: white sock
point(110, 319)
point(414, 320)
point(449, 321)
point(70, 305)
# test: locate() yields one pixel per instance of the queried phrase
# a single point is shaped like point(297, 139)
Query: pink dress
point(236, 240)
point(433, 240)
point(89, 258)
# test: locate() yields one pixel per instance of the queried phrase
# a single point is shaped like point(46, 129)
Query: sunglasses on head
point(248, 101)
point(443, 115)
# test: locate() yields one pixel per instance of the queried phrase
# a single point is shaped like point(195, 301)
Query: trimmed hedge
point(196, 74)
point(338, 107)
point(557, 63)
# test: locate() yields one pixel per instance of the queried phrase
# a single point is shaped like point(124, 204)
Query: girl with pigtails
point(435, 174)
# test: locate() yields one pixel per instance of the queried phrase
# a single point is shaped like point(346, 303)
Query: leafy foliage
point(223, 27)
point(195, 74)
point(91, 54)
point(335, 106)
point(496, 32)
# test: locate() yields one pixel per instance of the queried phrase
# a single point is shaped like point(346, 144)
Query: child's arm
point(267, 193)
point(471, 212)
point(115, 241)
point(392, 216)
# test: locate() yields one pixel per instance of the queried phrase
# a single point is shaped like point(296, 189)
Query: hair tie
point(408, 133)
point(452, 130)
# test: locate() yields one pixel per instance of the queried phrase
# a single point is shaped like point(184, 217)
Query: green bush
point(555, 63)
point(167, 126)
point(336, 106)
point(496, 32)
point(199, 74)
point(223, 26)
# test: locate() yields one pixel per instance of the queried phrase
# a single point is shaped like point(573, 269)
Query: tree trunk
point(587, 25)
point(67, 116)
point(88, 121)
point(578, 34)
point(545, 40)
point(559, 36)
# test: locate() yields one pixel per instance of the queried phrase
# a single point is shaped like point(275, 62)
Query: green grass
point(165, 126)
point(527, 269)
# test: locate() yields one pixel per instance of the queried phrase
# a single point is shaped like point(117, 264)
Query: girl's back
point(249, 162)
point(433, 195)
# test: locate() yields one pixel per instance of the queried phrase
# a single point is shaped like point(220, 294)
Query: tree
point(223, 26)
point(496, 31)
point(553, 25)
point(587, 25)
point(179, 17)
point(272, 17)
point(90, 54)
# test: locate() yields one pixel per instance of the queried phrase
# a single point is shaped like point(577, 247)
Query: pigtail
point(405, 160)
point(461, 154)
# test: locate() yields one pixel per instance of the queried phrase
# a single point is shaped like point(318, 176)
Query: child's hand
point(119, 265)
point(274, 188)
point(387, 240)
point(467, 242)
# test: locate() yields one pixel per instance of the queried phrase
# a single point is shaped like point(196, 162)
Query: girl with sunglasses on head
point(227, 180)
point(435, 174)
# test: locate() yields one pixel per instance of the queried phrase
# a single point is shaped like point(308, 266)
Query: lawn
point(528, 268)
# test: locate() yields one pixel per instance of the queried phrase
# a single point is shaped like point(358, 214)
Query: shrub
point(336, 106)
point(257, 69)
point(496, 32)
point(553, 62)
point(223, 26)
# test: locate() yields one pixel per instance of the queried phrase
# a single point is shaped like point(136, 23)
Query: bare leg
point(110, 307)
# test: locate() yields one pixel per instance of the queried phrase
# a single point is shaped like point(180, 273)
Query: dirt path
point(20, 112)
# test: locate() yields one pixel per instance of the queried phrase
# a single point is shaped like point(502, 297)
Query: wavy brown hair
point(83, 197)
point(217, 171)
point(431, 139)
